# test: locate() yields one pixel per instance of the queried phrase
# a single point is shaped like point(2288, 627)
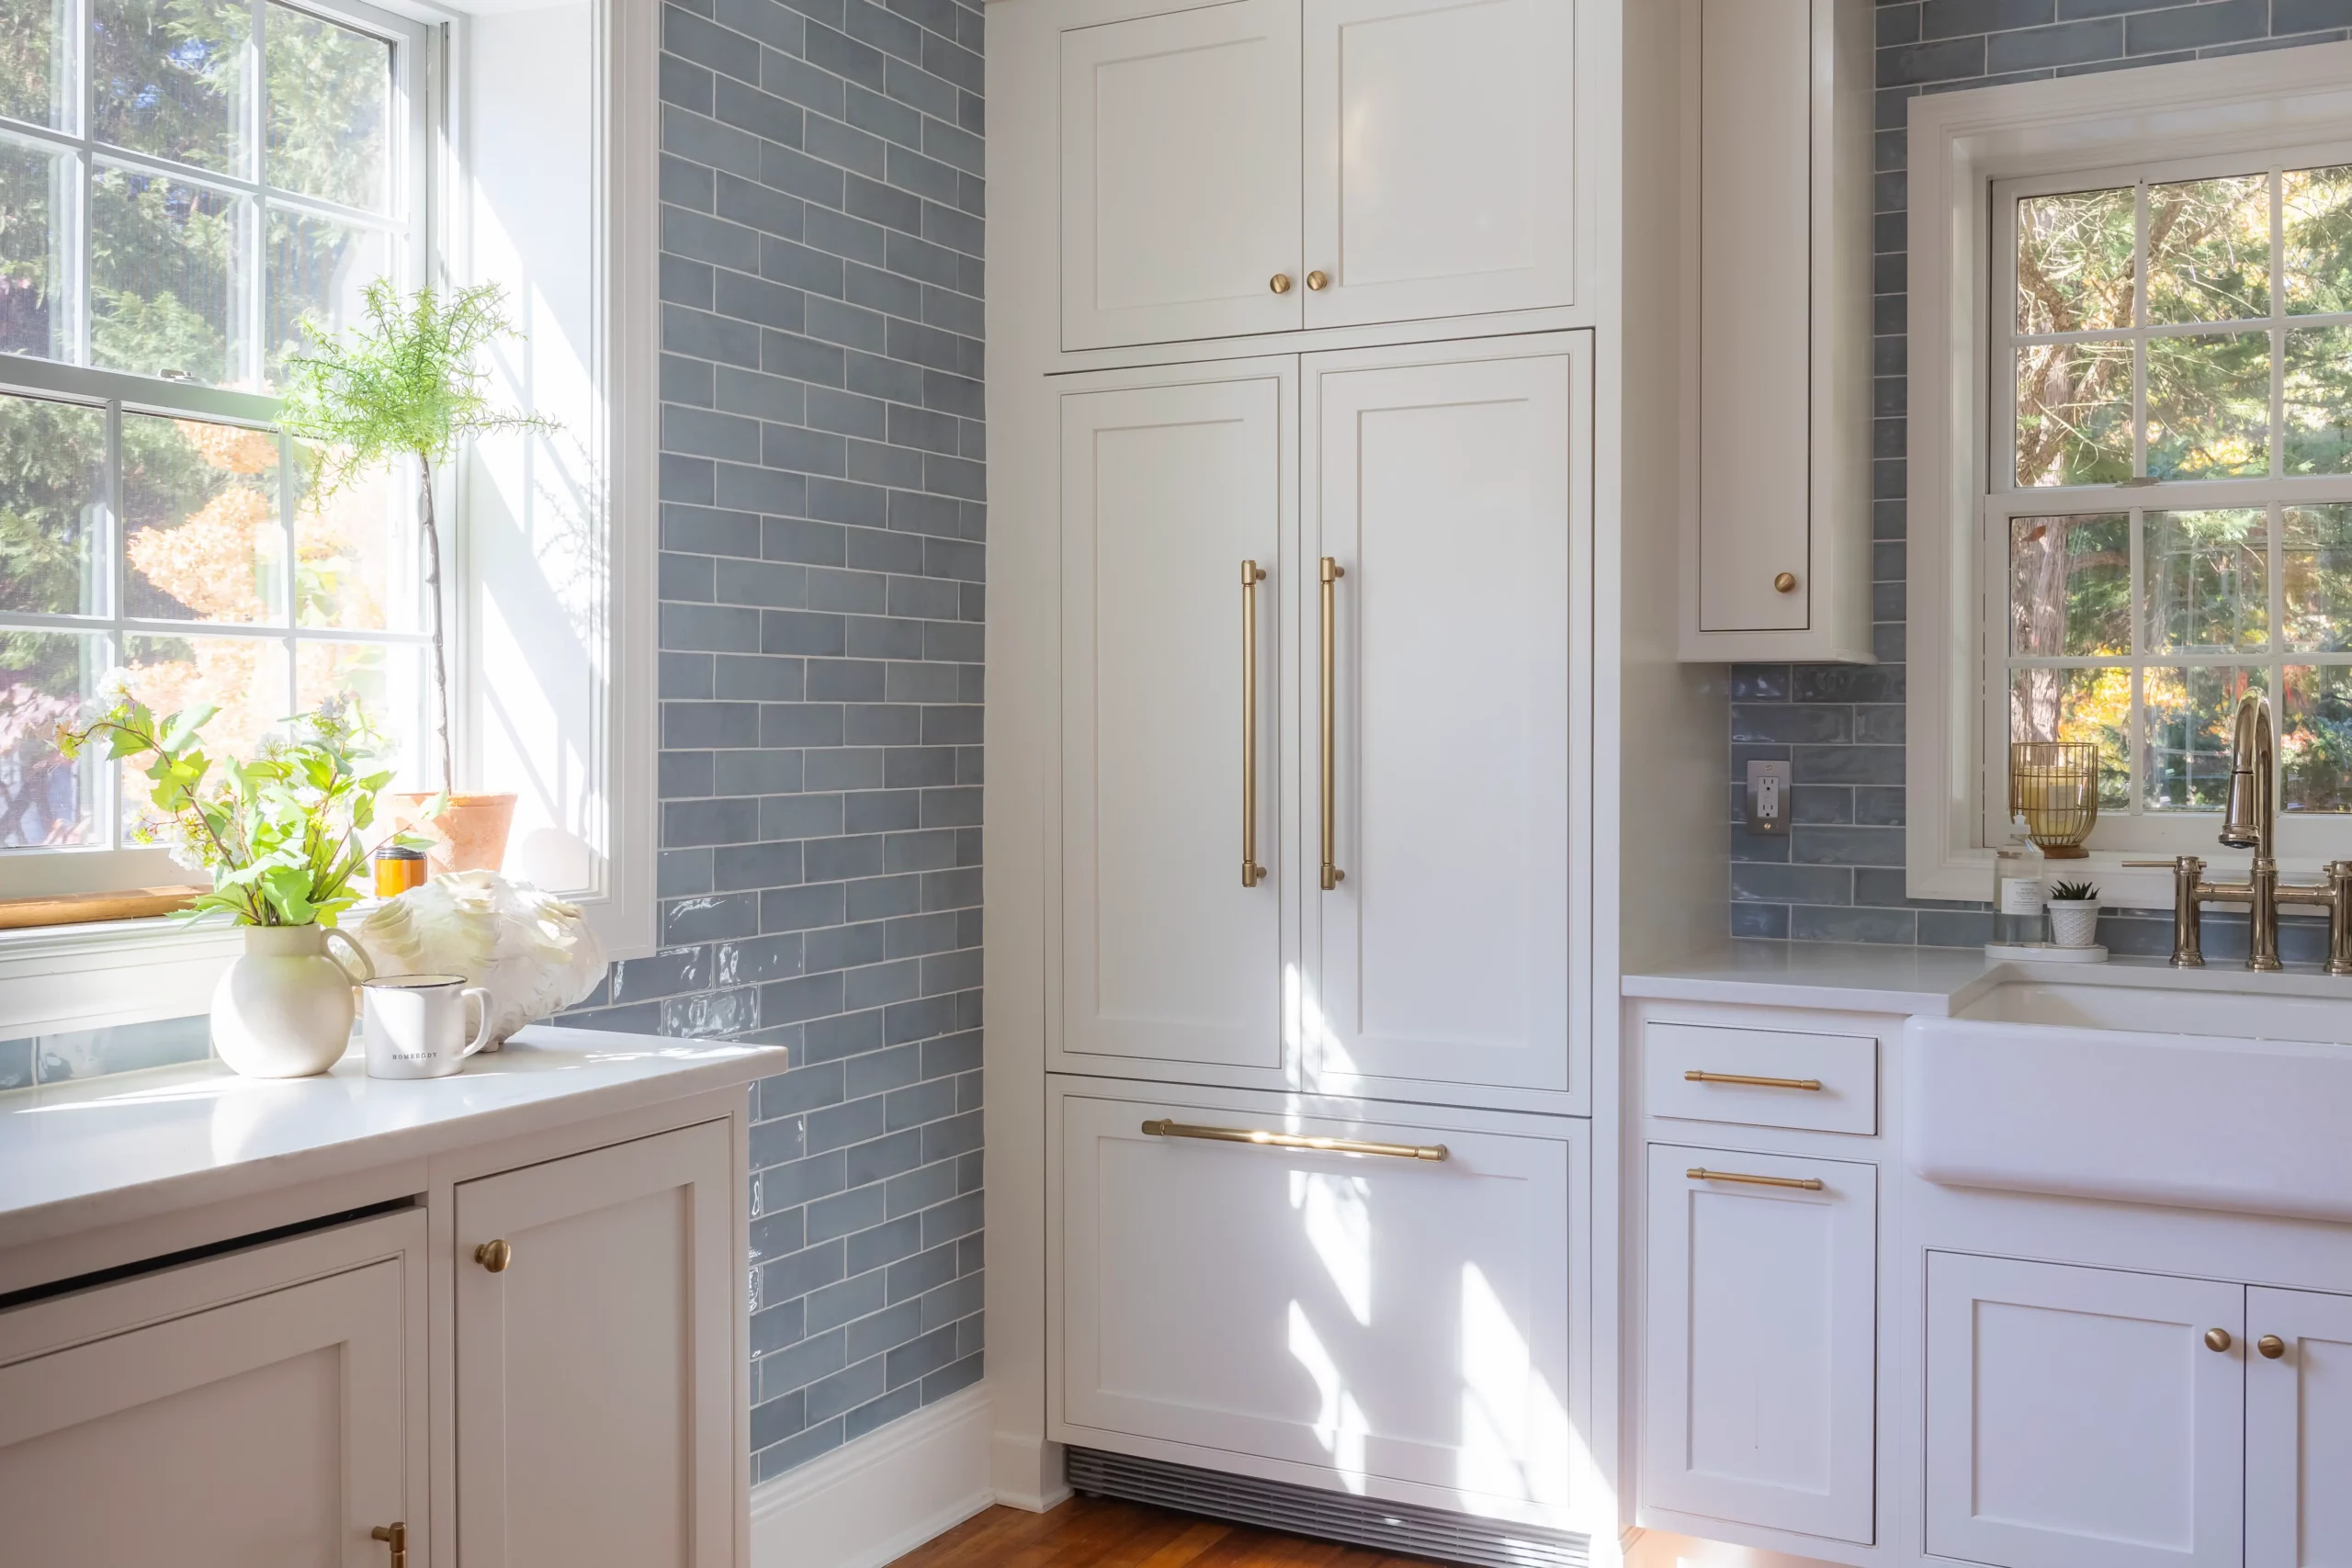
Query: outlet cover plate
point(1768, 798)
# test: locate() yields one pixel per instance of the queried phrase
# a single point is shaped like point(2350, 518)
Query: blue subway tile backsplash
point(1837, 874)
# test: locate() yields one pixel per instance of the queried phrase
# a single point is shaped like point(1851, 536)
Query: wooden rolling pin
point(81, 908)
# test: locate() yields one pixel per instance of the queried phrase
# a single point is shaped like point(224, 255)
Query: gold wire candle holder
point(2054, 785)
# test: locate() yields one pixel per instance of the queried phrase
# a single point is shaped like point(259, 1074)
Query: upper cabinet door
point(2298, 1430)
point(596, 1372)
point(1180, 176)
point(1439, 948)
point(1440, 142)
point(1168, 952)
point(2080, 1418)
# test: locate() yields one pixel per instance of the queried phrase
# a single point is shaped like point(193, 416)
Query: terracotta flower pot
point(471, 833)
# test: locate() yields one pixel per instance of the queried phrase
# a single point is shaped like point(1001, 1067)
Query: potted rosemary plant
point(405, 384)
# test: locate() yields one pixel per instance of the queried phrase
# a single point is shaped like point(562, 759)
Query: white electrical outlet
point(1768, 798)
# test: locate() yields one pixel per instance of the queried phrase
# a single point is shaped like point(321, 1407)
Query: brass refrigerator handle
point(1162, 1128)
point(1330, 573)
point(1803, 1184)
point(1695, 1076)
point(394, 1535)
point(1251, 871)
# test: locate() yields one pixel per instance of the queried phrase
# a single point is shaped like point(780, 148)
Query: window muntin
point(2169, 523)
point(183, 186)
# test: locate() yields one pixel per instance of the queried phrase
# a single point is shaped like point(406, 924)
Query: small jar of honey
point(398, 869)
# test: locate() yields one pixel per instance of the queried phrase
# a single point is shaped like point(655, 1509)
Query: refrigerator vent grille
point(1402, 1529)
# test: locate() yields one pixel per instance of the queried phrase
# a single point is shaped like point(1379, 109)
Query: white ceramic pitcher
point(284, 1009)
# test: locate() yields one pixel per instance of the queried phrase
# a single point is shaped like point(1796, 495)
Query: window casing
point(2190, 119)
point(202, 193)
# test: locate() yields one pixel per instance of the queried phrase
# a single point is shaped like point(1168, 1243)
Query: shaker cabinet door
point(1440, 946)
point(1762, 1340)
point(2299, 1430)
point(1168, 951)
point(1441, 138)
point(595, 1366)
point(2079, 1418)
point(268, 1430)
point(1180, 176)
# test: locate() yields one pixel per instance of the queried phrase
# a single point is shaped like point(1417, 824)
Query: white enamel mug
point(415, 1025)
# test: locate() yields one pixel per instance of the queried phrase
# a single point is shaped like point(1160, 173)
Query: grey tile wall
point(1837, 876)
point(824, 537)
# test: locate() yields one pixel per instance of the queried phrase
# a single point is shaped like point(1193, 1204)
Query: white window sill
point(54, 978)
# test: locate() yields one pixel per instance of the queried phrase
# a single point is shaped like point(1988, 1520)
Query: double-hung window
point(188, 190)
point(2168, 524)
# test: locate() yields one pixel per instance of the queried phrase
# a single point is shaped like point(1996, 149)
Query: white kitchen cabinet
point(1776, 557)
point(1761, 1340)
point(596, 1365)
point(1251, 167)
point(280, 1424)
point(1179, 168)
point(1368, 1322)
point(2298, 1430)
point(2079, 1417)
point(1438, 863)
point(1439, 162)
point(1169, 952)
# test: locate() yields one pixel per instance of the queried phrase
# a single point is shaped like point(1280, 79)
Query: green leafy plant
point(282, 834)
point(2073, 892)
point(405, 383)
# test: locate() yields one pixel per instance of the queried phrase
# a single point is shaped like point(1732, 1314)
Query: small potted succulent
point(2073, 914)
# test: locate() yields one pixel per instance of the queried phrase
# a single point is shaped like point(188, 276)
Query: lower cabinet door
point(595, 1369)
point(2299, 1430)
point(268, 1430)
point(1761, 1340)
point(1376, 1321)
point(2080, 1418)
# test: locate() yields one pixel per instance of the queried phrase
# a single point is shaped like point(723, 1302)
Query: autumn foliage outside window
point(190, 190)
point(2181, 350)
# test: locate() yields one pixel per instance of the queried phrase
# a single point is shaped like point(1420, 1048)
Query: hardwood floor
point(1095, 1532)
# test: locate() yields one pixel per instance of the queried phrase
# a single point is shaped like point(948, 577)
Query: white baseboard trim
point(873, 1501)
point(1026, 1472)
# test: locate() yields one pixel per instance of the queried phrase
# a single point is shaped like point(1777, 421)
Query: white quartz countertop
point(76, 1156)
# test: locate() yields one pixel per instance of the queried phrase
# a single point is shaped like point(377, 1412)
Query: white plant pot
point(2074, 922)
point(284, 1009)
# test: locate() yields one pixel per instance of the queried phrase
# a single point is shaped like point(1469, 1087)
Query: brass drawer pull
point(495, 1255)
point(1695, 1076)
point(1163, 1128)
point(1803, 1184)
point(2271, 1346)
point(2218, 1339)
point(1252, 873)
point(1279, 283)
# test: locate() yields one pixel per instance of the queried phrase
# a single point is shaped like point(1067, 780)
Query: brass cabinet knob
point(1279, 283)
point(1786, 583)
point(495, 1255)
point(2271, 1346)
point(2217, 1339)
point(1318, 281)
point(394, 1535)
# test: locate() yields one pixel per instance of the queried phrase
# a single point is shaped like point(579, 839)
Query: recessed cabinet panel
point(2299, 1430)
point(1442, 950)
point(270, 1430)
point(1166, 490)
point(1180, 176)
point(1761, 1340)
point(1365, 1314)
point(2078, 1418)
point(1441, 138)
point(1755, 337)
point(602, 1433)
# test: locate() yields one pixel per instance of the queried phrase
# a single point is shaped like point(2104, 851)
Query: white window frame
point(66, 977)
point(1961, 146)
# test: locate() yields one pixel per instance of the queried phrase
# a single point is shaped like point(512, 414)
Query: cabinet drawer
point(1263, 1303)
point(1844, 1066)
